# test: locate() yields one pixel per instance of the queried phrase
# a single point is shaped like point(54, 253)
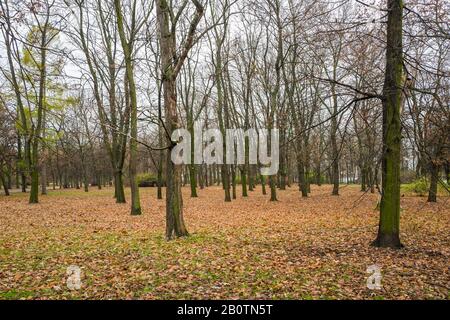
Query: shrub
point(312, 178)
point(146, 180)
point(420, 186)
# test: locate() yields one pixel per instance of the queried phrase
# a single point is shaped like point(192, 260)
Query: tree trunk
point(251, 182)
point(447, 171)
point(170, 68)
point(85, 180)
point(432, 194)
point(192, 167)
point(226, 180)
point(244, 181)
point(118, 187)
point(43, 166)
point(233, 181)
point(301, 178)
point(389, 227)
point(282, 171)
point(263, 185)
point(34, 192)
point(193, 180)
point(335, 165)
point(160, 183)
point(3, 181)
point(318, 174)
point(334, 146)
point(130, 93)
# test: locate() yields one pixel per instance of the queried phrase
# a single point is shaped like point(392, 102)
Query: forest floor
point(315, 248)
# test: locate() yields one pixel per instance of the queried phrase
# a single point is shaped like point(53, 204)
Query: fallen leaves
point(315, 248)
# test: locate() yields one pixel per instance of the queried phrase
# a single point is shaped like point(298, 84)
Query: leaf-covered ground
point(315, 248)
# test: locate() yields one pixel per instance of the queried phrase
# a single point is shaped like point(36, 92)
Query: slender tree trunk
point(307, 180)
point(118, 187)
point(233, 181)
point(222, 107)
point(447, 171)
point(335, 164)
point(226, 181)
point(193, 180)
point(318, 174)
point(34, 192)
point(175, 226)
point(251, 181)
point(192, 168)
point(135, 197)
point(130, 93)
point(432, 194)
point(43, 164)
point(244, 181)
point(302, 178)
point(3, 181)
point(85, 177)
point(201, 177)
point(283, 170)
point(161, 152)
point(263, 185)
point(363, 178)
point(389, 227)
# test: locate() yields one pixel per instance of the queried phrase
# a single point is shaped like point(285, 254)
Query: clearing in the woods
point(296, 248)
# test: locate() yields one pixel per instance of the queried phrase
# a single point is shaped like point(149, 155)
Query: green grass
point(421, 187)
point(16, 294)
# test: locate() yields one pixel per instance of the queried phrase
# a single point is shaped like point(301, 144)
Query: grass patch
point(17, 294)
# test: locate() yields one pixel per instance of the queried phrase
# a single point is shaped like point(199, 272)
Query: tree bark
point(389, 226)
point(130, 92)
point(334, 147)
point(432, 193)
point(175, 226)
point(3, 181)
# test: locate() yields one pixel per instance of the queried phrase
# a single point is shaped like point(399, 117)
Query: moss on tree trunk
point(389, 226)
